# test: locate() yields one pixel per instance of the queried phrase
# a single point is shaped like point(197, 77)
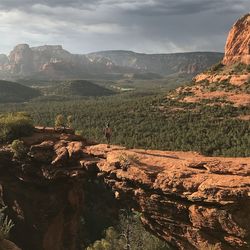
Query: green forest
point(150, 122)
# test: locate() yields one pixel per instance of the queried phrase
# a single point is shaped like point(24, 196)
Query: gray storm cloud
point(153, 26)
point(21, 4)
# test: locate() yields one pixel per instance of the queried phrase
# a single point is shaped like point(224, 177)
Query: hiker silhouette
point(107, 132)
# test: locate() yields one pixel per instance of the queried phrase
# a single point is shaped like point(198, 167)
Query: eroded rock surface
point(8, 245)
point(234, 79)
point(187, 199)
point(44, 200)
point(237, 47)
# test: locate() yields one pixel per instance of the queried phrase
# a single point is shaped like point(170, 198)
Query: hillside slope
point(15, 92)
point(78, 88)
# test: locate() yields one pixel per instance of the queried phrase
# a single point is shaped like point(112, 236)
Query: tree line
point(151, 122)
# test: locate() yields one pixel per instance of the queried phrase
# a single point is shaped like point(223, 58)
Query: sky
point(147, 26)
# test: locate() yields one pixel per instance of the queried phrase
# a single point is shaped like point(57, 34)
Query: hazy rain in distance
point(151, 26)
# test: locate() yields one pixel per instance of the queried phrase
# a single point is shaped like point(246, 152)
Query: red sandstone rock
point(233, 79)
point(8, 245)
point(237, 47)
point(237, 50)
point(187, 199)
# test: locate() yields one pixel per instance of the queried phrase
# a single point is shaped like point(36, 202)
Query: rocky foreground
point(187, 199)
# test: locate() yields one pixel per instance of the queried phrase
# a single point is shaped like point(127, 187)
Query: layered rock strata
point(189, 200)
point(237, 47)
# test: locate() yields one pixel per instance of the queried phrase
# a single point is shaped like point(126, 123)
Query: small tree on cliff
point(6, 225)
point(14, 126)
point(60, 121)
point(70, 121)
point(129, 235)
point(19, 149)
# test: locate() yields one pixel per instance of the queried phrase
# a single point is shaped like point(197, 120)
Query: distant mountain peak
point(48, 47)
point(22, 46)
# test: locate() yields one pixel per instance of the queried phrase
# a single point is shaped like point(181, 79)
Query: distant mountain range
point(54, 62)
point(163, 64)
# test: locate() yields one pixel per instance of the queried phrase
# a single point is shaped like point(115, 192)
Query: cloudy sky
point(151, 26)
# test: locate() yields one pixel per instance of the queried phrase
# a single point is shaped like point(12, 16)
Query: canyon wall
point(189, 200)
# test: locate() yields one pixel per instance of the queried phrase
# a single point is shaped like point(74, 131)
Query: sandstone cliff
point(187, 199)
point(21, 60)
point(237, 47)
point(229, 80)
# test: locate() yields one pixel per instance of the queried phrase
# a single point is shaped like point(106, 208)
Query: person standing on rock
point(107, 133)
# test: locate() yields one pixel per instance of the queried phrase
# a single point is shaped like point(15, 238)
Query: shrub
point(18, 148)
point(14, 126)
point(127, 159)
point(248, 68)
point(70, 121)
point(110, 242)
point(217, 67)
point(60, 121)
point(129, 234)
point(239, 67)
point(79, 132)
point(6, 225)
point(206, 246)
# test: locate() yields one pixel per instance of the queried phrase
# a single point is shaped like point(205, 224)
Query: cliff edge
point(189, 200)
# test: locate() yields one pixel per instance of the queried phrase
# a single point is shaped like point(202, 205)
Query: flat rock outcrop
point(237, 47)
point(189, 200)
point(234, 79)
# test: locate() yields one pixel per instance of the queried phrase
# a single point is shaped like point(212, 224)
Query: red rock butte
point(237, 47)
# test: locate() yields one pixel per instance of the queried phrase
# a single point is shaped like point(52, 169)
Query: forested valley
point(149, 122)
